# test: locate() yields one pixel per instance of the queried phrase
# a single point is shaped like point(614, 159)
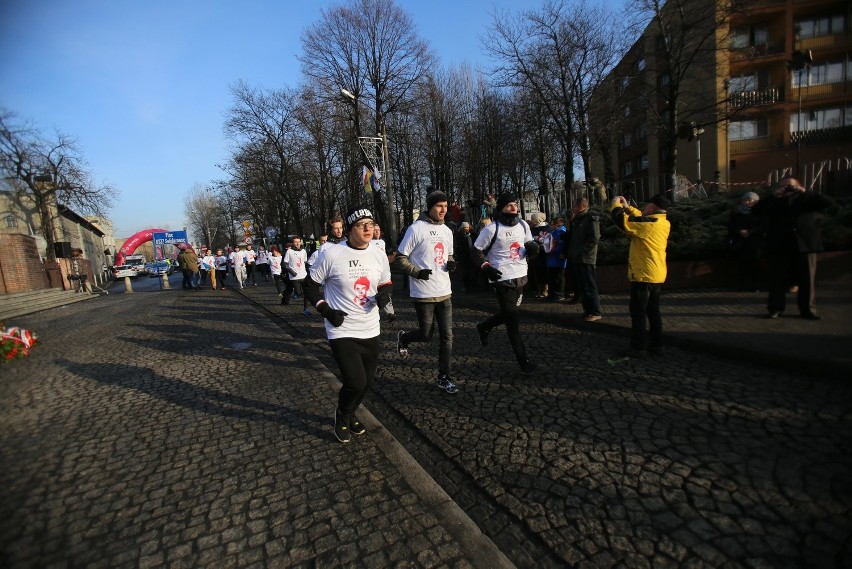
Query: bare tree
point(206, 216)
point(687, 35)
point(560, 52)
point(371, 49)
point(47, 173)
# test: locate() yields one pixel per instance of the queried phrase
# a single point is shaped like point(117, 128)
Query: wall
point(21, 268)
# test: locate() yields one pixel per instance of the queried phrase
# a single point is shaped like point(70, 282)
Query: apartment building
point(771, 94)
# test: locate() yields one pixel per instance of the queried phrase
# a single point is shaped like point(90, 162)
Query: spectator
point(745, 237)
point(538, 266)
point(585, 234)
point(556, 264)
point(646, 268)
point(792, 242)
point(463, 249)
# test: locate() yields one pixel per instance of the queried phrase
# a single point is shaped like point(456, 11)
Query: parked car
point(157, 268)
point(122, 271)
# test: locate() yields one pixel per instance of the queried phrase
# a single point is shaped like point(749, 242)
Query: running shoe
point(483, 335)
point(445, 383)
point(355, 426)
point(400, 347)
point(341, 427)
point(529, 368)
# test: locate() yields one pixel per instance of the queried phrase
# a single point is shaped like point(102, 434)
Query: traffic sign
point(169, 238)
point(271, 232)
point(247, 224)
point(249, 240)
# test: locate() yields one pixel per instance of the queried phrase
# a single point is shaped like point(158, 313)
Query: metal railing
point(744, 99)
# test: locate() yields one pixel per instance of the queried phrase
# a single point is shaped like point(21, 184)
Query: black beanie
point(660, 201)
point(504, 199)
point(435, 197)
point(357, 214)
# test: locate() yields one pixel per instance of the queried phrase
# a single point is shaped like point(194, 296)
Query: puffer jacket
point(649, 235)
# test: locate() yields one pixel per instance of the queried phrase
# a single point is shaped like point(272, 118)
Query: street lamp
point(386, 178)
point(800, 61)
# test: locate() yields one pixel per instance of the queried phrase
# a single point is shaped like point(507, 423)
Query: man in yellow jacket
point(649, 230)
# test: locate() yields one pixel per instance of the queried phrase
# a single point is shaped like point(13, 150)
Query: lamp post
point(386, 178)
point(800, 61)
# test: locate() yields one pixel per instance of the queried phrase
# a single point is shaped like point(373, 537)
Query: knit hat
point(435, 197)
point(357, 214)
point(750, 196)
point(464, 224)
point(660, 201)
point(503, 199)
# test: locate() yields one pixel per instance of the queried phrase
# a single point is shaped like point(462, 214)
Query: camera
point(789, 189)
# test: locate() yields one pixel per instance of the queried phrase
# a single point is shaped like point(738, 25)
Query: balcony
point(825, 43)
point(753, 144)
point(745, 99)
point(811, 92)
point(840, 134)
point(753, 52)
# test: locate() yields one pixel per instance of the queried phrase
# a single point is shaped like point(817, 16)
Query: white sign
point(249, 240)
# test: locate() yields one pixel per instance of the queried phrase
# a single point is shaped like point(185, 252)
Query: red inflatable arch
point(135, 241)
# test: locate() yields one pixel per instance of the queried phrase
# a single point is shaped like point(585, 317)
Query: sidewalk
point(728, 324)
point(725, 323)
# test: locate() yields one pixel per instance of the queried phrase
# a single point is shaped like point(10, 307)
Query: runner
point(356, 282)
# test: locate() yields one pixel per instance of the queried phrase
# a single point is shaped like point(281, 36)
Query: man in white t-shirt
point(502, 248)
point(238, 265)
point(250, 256)
point(262, 262)
point(295, 263)
point(355, 279)
point(426, 255)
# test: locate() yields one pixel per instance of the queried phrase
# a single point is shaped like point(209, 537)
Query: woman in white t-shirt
point(355, 279)
point(276, 261)
point(208, 263)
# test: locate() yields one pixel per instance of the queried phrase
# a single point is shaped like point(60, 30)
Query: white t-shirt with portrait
point(429, 246)
point(295, 261)
point(350, 278)
point(508, 254)
point(275, 264)
point(237, 259)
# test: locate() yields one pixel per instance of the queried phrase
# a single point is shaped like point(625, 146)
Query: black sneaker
point(341, 427)
point(355, 426)
point(483, 335)
point(529, 368)
point(400, 347)
point(445, 383)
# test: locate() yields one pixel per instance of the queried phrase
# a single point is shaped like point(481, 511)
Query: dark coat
point(793, 221)
point(751, 246)
point(583, 237)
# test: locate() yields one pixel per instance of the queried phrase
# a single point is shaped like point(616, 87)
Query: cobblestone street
point(194, 429)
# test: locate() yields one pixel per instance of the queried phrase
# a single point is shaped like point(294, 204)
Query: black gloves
point(532, 248)
point(423, 274)
point(451, 266)
point(383, 296)
point(331, 314)
point(492, 273)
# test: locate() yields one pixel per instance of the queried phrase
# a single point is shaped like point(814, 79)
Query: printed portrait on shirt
point(515, 251)
point(439, 254)
point(362, 285)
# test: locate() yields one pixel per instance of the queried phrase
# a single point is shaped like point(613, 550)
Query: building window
point(626, 111)
point(820, 119)
point(749, 36)
point(626, 141)
point(625, 81)
point(820, 26)
point(643, 162)
point(627, 168)
point(11, 221)
point(742, 83)
point(823, 73)
point(640, 65)
point(665, 79)
point(641, 132)
point(746, 130)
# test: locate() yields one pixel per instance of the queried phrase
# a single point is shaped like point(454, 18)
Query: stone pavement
point(165, 441)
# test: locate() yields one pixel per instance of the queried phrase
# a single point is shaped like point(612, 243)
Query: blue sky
point(144, 86)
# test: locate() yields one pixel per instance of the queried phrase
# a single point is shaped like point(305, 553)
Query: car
point(157, 268)
point(122, 271)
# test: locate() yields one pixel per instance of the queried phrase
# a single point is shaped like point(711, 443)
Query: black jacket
point(793, 221)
